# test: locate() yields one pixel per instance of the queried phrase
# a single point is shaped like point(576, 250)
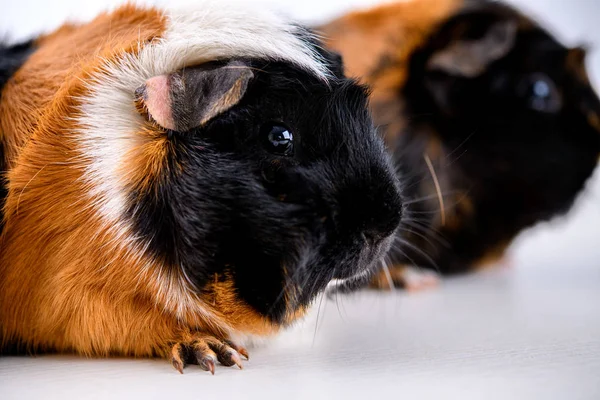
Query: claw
point(239, 349)
point(229, 357)
point(211, 366)
point(244, 353)
point(205, 351)
point(208, 364)
point(178, 365)
point(235, 357)
point(177, 358)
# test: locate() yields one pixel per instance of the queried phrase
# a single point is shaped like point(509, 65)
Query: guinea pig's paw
point(401, 276)
point(205, 350)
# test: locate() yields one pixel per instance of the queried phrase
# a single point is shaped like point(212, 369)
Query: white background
point(530, 331)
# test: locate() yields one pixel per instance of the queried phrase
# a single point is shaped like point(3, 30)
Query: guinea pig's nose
point(372, 211)
point(384, 220)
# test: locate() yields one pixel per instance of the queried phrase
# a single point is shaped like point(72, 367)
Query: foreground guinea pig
point(177, 181)
point(492, 122)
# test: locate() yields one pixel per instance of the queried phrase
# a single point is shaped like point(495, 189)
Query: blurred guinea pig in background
point(180, 180)
point(493, 124)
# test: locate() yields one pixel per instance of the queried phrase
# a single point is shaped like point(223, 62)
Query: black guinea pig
point(179, 180)
point(492, 122)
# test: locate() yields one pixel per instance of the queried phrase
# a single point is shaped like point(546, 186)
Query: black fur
point(513, 164)
point(11, 59)
point(227, 207)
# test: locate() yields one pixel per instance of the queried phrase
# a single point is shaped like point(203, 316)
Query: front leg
point(403, 276)
point(205, 350)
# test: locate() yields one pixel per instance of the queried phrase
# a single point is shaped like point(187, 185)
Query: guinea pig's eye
point(278, 139)
point(541, 93)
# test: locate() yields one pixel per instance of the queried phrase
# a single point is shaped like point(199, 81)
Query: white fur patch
point(109, 121)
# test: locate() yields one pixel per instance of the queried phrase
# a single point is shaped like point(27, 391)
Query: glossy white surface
point(531, 331)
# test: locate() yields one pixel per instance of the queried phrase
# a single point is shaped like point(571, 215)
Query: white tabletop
point(528, 332)
point(531, 331)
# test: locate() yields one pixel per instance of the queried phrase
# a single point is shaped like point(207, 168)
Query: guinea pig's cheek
point(297, 314)
point(221, 295)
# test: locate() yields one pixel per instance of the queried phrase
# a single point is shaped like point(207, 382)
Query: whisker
point(318, 315)
point(422, 236)
point(426, 230)
point(433, 196)
point(399, 249)
point(388, 275)
point(437, 187)
point(461, 144)
point(418, 250)
point(412, 212)
point(455, 159)
point(337, 304)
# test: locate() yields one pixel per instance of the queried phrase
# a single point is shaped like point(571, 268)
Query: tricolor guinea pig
point(178, 180)
point(492, 122)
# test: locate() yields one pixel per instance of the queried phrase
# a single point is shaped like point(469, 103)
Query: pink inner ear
point(157, 99)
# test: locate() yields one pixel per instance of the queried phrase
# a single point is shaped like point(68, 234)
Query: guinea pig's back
point(64, 57)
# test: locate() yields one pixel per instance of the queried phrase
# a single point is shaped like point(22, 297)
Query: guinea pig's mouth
point(368, 262)
point(362, 263)
point(348, 266)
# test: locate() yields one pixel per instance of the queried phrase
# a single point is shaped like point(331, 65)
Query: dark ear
point(191, 97)
point(332, 59)
point(575, 62)
point(469, 58)
point(11, 59)
point(463, 49)
point(335, 63)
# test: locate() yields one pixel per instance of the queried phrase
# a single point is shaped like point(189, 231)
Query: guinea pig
point(180, 180)
point(492, 122)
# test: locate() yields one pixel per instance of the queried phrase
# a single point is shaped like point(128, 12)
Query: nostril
point(384, 222)
point(369, 238)
point(373, 237)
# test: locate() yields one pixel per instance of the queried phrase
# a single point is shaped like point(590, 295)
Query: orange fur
point(67, 283)
point(493, 256)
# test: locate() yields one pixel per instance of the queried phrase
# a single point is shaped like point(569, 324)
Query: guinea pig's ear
point(191, 97)
point(469, 58)
point(335, 63)
point(331, 58)
point(575, 62)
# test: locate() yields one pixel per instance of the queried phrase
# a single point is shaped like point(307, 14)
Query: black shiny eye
point(278, 139)
point(540, 93)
